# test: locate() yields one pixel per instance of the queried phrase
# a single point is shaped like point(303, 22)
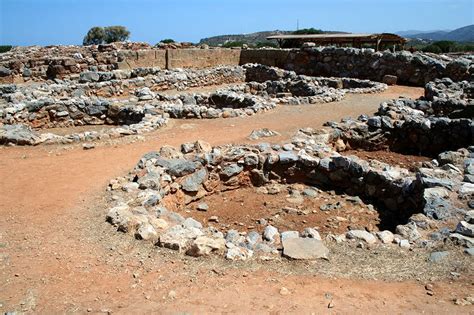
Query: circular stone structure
point(132, 100)
point(152, 202)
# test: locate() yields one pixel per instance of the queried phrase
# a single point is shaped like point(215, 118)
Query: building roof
point(384, 37)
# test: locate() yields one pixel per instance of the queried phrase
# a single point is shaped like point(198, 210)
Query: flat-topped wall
point(69, 61)
point(412, 69)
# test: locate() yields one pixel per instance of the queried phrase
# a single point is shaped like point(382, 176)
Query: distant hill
point(252, 38)
point(463, 34)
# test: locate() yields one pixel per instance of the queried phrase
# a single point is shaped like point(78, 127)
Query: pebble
point(214, 218)
point(88, 146)
point(284, 291)
point(172, 295)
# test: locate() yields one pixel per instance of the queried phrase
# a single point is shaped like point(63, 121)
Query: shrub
point(311, 30)
point(432, 49)
point(5, 48)
point(167, 41)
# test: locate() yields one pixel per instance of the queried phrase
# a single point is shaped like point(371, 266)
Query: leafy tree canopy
point(311, 30)
point(99, 35)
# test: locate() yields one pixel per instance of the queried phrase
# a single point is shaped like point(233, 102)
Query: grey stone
point(389, 79)
point(150, 181)
point(404, 244)
point(262, 247)
point(408, 231)
point(253, 238)
point(232, 170)
point(89, 77)
point(18, 134)
point(233, 236)
point(467, 189)
point(311, 233)
point(178, 167)
point(469, 251)
point(262, 133)
point(287, 157)
point(361, 235)
point(237, 252)
point(192, 223)
point(465, 229)
point(202, 206)
point(385, 237)
point(146, 232)
point(4, 72)
point(462, 239)
point(179, 237)
point(437, 208)
point(469, 217)
point(289, 234)
point(270, 233)
point(205, 245)
point(193, 182)
point(436, 257)
point(304, 248)
point(310, 192)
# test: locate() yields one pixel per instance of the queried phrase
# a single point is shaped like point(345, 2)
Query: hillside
point(463, 34)
point(252, 38)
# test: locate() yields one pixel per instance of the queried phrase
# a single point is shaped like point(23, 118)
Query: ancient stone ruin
point(164, 199)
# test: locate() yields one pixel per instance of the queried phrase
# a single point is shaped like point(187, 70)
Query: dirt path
point(57, 255)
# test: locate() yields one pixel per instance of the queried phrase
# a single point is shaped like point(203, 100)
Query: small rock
point(270, 233)
point(311, 233)
point(361, 235)
point(172, 295)
point(436, 257)
point(404, 244)
point(284, 291)
point(202, 206)
point(385, 237)
point(214, 218)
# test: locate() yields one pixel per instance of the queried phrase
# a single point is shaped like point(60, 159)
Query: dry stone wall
point(40, 63)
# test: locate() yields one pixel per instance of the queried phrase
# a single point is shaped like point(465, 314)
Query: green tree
point(99, 35)
point(95, 36)
point(432, 49)
point(5, 48)
point(167, 41)
point(116, 34)
point(311, 30)
point(445, 45)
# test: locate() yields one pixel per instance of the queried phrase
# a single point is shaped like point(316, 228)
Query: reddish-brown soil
point(242, 209)
point(57, 255)
point(407, 161)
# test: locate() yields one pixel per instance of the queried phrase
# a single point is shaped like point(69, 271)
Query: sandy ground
point(58, 255)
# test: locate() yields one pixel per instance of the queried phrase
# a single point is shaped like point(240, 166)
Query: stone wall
point(412, 69)
point(39, 63)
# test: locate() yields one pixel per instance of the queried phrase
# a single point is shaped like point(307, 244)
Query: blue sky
point(46, 22)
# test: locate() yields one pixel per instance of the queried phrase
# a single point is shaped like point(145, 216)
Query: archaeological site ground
point(139, 179)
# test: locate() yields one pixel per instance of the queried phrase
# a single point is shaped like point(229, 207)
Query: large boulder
point(18, 134)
